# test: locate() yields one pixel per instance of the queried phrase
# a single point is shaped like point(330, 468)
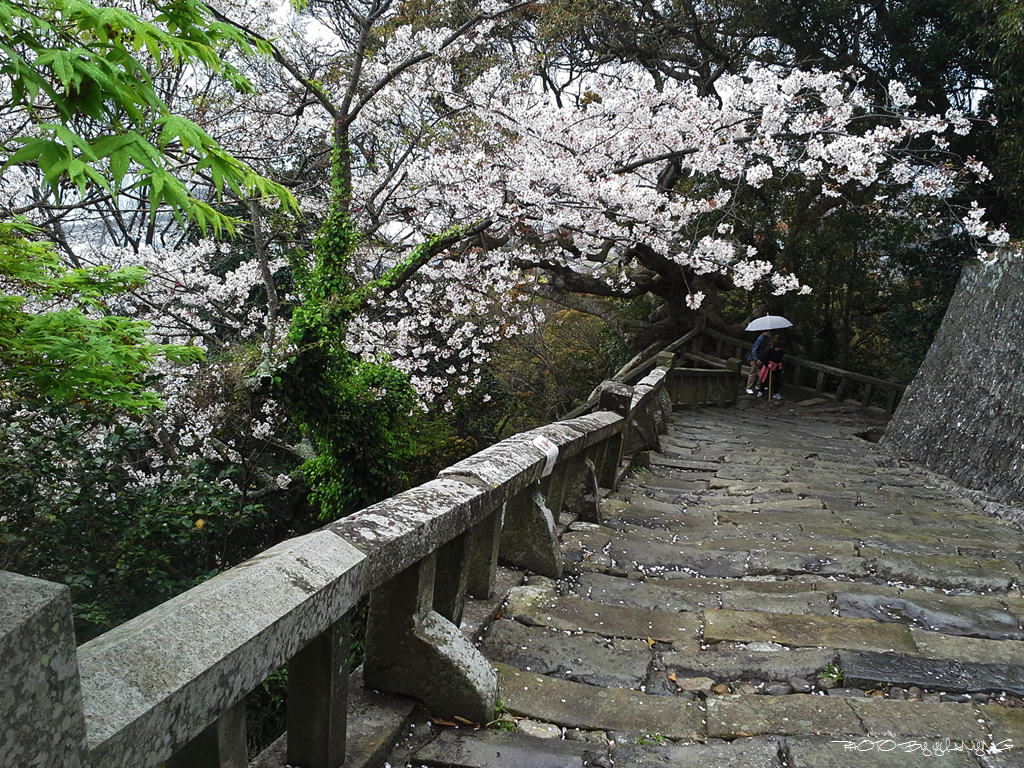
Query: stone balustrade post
point(43, 725)
point(318, 699)
point(731, 388)
point(451, 578)
point(483, 542)
point(219, 745)
point(413, 650)
point(528, 537)
point(581, 495)
point(617, 398)
point(643, 434)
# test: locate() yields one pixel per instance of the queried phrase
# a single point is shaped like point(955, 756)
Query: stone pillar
point(582, 496)
point(413, 650)
point(318, 699)
point(483, 541)
point(43, 725)
point(617, 398)
point(643, 436)
point(733, 383)
point(451, 579)
point(528, 538)
point(220, 745)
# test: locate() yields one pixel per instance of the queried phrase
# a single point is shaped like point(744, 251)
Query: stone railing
point(168, 686)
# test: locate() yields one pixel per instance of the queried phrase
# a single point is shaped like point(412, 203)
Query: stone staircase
point(772, 591)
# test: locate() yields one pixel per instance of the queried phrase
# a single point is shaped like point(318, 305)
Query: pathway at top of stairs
point(773, 591)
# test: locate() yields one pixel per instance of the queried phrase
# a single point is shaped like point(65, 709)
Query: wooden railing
point(168, 686)
point(666, 357)
point(815, 378)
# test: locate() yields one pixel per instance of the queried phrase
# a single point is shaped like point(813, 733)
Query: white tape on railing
point(550, 451)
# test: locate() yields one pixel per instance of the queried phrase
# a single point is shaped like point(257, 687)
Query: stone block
point(730, 717)
point(495, 749)
point(413, 650)
point(582, 658)
point(811, 603)
point(955, 615)
point(921, 719)
point(863, 668)
point(1002, 723)
point(632, 552)
point(748, 753)
point(40, 698)
point(948, 571)
point(764, 562)
point(528, 606)
point(743, 664)
point(685, 595)
point(576, 705)
point(787, 629)
point(936, 645)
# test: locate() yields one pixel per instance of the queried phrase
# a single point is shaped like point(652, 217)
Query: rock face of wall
point(963, 414)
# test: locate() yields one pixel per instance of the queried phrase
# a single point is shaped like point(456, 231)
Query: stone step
point(576, 705)
point(496, 749)
point(716, 537)
point(945, 571)
point(682, 595)
point(640, 553)
point(806, 715)
point(733, 665)
point(864, 668)
point(806, 631)
point(583, 658)
point(644, 751)
point(974, 615)
point(981, 616)
point(540, 606)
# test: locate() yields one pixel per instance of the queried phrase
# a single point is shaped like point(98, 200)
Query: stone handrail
point(168, 686)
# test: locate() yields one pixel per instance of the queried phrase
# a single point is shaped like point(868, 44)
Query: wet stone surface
point(772, 591)
point(584, 658)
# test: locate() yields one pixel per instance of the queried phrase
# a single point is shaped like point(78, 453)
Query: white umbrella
point(769, 323)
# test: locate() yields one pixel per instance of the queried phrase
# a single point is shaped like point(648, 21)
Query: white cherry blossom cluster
point(588, 172)
point(440, 329)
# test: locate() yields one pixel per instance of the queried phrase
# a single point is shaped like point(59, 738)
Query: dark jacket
point(769, 354)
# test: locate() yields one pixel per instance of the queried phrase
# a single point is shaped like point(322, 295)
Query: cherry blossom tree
point(451, 178)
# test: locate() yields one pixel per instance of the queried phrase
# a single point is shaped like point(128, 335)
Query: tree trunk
point(962, 414)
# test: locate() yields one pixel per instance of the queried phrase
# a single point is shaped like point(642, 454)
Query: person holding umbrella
point(763, 341)
point(766, 325)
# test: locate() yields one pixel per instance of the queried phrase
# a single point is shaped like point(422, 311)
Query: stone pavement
point(773, 591)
